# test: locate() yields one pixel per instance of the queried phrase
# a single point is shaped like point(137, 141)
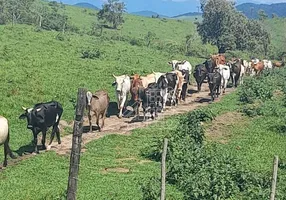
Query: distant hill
point(251, 9)
point(190, 14)
point(86, 5)
point(147, 13)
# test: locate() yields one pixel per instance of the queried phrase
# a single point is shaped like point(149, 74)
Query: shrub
point(91, 54)
point(151, 189)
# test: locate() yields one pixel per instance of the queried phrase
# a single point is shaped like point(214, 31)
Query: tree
point(40, 11)
point(149, 38)
point(262, 15)
point(218, 18)
point(112, 12)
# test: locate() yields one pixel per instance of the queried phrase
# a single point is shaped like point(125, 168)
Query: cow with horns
point(40, 118)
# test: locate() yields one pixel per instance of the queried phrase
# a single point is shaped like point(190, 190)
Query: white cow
point(224, 70)
point(267, 64)
point(180, 65)
point(4, 139)
point(122, 89)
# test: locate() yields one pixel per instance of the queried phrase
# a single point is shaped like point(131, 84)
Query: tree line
point(228, 29)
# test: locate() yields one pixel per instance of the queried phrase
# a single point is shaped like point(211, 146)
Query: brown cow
point(218, 59)
point(146, 80)
point(181, 81)
point(97, 105)
point(136, 86)
point(257, 67)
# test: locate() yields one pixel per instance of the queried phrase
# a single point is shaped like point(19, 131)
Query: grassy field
point(38, 66)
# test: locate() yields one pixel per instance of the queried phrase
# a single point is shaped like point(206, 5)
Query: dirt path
point(124, 126)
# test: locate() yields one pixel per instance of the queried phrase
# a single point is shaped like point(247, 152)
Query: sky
point(164, 7)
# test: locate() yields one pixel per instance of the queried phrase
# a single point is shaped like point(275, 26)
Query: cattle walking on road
point(4, 139)
point(214, 80)
point(40, 118)
point(97, 105)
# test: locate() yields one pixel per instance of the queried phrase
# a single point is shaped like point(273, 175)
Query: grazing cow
point(122, 89)
point(258, 67)
point(267, 64)
point(40, 118)
point(97, 105)
point(200, 75)
point(168, 86)
point(235, 71)
point(214, 80)
point(136, 86)
point(150, 97)
point(4, 139)
point(225, 75)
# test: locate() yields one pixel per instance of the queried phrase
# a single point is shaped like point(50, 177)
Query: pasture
point(39, 66)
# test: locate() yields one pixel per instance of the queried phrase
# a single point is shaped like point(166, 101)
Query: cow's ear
point(96, 97)
point(23, 116)
point(114, 83)
point(169, 63)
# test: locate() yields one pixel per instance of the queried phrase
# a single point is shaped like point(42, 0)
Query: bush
point(151, 189)
point(256, 88)
point(91, 54)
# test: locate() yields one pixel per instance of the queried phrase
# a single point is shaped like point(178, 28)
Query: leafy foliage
point(228, 29)
point(112, 12)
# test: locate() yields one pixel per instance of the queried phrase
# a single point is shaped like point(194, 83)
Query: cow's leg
point(122, 105)
point(35, 141)
point(44, 133)
point(97, 121)
point(58, 135)
point(165, 97)
point(5, 153)
point(184, 91)
point(103, 118)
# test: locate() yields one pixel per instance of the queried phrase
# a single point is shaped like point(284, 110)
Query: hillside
point(86, 5)
point(147, 13)
point(251, 9)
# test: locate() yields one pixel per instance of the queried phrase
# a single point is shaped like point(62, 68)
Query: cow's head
point(174, 63)
point(28, 115)
point(119, 82)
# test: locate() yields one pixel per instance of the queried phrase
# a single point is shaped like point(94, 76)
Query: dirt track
point(123, 126)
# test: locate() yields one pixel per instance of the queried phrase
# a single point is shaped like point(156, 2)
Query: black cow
point(200, 74)
point(214, 80)
point(235, 68)
point(41, 117)
point(150, 98)
point(210, 65)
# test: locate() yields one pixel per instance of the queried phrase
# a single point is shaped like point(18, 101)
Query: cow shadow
point(112, 109)
point(203, 100)
point(192, 91)
point(85, 129)
point(27, 149)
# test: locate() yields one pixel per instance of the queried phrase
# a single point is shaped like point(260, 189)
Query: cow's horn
point(24, 108)
point(113, 75)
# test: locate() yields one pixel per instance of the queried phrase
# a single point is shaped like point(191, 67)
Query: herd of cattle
point(152, 92)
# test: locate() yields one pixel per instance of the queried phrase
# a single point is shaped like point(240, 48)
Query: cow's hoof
point(35, 153)
point(49, 147)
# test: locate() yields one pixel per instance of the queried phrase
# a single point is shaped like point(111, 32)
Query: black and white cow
point(41, 117)
point(150, 98)
point(167, 84)
point(214, 80)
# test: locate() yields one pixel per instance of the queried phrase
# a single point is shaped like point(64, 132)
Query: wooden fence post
point(274, 178)
point(76, 144)
point(163, 170)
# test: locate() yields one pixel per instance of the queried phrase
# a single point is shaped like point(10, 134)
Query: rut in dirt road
point(124, 126)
